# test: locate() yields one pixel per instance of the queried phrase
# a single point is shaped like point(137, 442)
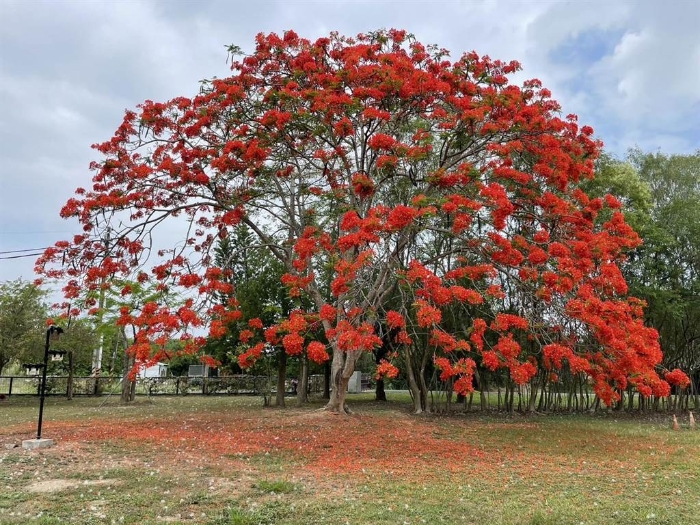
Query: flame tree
point(393, 184)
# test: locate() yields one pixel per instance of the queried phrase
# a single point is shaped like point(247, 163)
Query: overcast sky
point(69, 69)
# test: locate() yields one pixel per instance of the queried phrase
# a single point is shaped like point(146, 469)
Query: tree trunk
point(128, 385)
point(413, 385)
point(422, 383)
point(630, 399)
point(483, 392)
point(69, 385)
point(327, 380)
point(281, 379)
point(532, 400)
point(448, 397)
point(342, 367)
point(511, 396)
point(379, 393)
point(303, 386)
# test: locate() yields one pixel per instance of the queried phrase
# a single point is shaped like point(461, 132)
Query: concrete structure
point(31, 444)
point(355, 384)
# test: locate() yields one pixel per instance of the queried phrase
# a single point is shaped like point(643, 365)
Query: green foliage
point(256, 275)
point(622, 179)
point(80, 339)
point(661, 198)
point(22, 322)
point(180, 364)
point(668, 265)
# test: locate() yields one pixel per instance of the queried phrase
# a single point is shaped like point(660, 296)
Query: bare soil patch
point(57, 485)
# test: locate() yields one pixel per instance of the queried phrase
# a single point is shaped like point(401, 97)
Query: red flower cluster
point(386, 369)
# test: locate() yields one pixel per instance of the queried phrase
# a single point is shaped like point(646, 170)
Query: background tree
point(669, 274)
point(23, 317)
point(256, 277)
point(661, 194)
point(366, 165)
point(79, 340)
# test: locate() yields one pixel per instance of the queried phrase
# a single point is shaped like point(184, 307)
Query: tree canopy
point(395, 186)
point(23, 317)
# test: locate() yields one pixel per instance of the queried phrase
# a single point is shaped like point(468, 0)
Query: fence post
point(9, 393)
point(204, 385)
point(177, 386)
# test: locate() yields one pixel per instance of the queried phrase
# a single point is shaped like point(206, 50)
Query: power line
point(37, 232)
point(20, 251)
point(20, 256)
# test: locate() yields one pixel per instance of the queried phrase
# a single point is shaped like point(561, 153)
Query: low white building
point(156, 370)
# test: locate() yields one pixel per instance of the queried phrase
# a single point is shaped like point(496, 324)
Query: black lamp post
point(52, 334)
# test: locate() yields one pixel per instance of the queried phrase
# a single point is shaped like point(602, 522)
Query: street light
point(52, 335)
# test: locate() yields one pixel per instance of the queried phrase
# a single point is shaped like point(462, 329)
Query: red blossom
point(293, 344)
point(363, 185)
point(255, 323)
point(317, 352)
point(328, 313)
point(427, 315)
point(250, 356)
point(677, 377)
point(386, 369)
point(245, 336)
point(395, 319)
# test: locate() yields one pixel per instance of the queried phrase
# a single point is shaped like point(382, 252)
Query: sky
point(69, 70)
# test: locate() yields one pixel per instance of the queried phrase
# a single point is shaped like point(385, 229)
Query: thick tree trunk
point(281, 379)
point(342, 367)
point(621, 402)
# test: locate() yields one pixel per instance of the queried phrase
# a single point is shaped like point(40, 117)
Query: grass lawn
point(226, 460)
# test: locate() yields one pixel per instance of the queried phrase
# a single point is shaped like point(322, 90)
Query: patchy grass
point(275, 487)
point(226, 460)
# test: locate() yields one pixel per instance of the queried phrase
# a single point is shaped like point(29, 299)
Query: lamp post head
point(33, 369)
point(57, 355)
point(54, 332)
